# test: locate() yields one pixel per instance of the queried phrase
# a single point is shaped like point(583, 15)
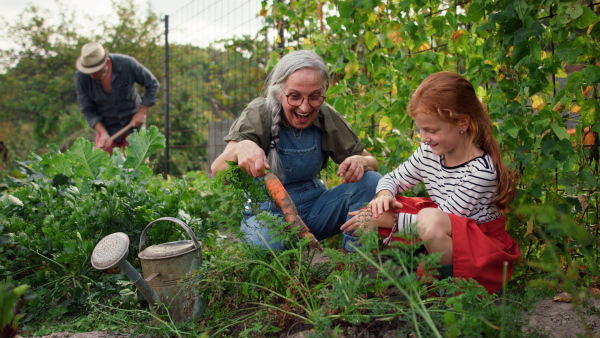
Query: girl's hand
point(361, 220)
point(383, 202)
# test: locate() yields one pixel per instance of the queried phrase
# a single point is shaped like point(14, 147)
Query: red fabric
point(120, 144)
point(479, 250)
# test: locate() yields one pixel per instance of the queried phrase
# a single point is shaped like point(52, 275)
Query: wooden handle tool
point(121, 132)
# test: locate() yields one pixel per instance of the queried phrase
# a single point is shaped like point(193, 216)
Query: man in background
point(105, 86)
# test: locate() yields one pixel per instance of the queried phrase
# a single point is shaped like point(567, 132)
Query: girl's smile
point(446, 138)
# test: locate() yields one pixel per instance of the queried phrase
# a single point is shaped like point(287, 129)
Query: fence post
point(166, 97)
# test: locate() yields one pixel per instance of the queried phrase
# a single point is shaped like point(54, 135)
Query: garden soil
point(553, 317)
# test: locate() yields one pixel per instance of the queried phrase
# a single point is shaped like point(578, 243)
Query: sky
point(197, 21)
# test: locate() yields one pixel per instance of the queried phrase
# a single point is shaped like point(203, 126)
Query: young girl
point(469, 186)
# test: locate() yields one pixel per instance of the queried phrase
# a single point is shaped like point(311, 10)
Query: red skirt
point(479, 250)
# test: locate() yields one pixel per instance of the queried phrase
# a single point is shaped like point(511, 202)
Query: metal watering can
point(165, 266)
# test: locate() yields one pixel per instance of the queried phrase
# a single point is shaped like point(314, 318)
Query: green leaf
point(371, 40)
point(589, 179)
point(587, 18)
point(20, 290)
point(141, 146)
point(334, 22)
point(591, 74)
point(439, 25)
point(520, 51)
point(273, 59)
point(560, 131)
point(521, 35)
point(549, 146)
point(536, 29)
point(550, 164)
point(86, 160)
point(569, 54)
point(569, 11)
point(512, 25)
point(60, 179)
point(513, 131)
point(475, 12)
point(58, 164)
point(346, 8)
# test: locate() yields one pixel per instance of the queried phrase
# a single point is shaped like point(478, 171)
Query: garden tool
point(121, 132)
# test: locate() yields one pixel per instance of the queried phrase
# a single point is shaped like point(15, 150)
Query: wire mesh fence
point(215, 54)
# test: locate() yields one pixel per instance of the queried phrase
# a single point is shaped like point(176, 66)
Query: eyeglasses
point(296, 100)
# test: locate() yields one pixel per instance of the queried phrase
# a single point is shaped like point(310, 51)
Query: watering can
point(166, 269)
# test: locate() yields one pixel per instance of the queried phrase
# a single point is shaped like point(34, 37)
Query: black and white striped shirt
point(465, 190)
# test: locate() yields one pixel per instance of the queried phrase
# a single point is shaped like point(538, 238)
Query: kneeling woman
point(292, 132)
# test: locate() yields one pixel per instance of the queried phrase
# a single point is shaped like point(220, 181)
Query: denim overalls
point(322, 210)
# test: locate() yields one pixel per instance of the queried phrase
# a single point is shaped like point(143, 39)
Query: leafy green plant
point(67, 202)
point(11, 302)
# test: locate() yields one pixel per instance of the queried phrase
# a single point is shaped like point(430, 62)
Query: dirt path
point(559, 319)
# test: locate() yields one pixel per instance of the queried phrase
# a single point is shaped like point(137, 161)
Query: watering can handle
point(172, 219)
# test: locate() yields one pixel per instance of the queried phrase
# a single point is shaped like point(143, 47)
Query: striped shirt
point(465, 190)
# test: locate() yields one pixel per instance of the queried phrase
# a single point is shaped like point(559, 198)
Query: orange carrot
point(288, 208)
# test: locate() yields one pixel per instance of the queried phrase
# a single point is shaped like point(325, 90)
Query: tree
point(39, 104)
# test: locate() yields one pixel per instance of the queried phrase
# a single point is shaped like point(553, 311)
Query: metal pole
point(166, 93)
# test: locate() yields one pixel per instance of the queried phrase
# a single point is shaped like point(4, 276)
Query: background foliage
point(534, 63)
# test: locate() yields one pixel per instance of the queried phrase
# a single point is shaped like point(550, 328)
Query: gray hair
point(288, 64)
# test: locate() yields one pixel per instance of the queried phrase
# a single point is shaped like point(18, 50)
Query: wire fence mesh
point(211, 73)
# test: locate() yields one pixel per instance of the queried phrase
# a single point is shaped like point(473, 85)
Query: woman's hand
point(251, 158)
point(247, 154)
point(352, 169)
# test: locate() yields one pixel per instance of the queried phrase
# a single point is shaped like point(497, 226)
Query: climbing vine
point(535, 66)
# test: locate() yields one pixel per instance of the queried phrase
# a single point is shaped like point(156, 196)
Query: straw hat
point(93, 58)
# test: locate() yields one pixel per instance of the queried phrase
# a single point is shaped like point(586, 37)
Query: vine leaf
point(568, 12)
point(560, 131)
point(371, 40)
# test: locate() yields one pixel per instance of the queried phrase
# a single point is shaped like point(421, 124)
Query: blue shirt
point(116, 109)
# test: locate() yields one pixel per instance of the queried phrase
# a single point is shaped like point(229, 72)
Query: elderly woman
point(292, 132)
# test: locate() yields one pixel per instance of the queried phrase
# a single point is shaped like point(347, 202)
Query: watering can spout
point(136, 278)
point(111, 252)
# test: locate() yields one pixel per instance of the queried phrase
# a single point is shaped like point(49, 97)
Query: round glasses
point(296, 100)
